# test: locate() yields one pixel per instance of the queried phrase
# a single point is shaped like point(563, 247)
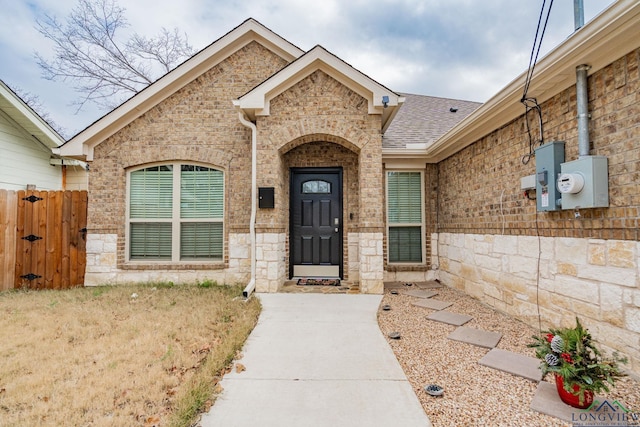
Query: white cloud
point(451, 48)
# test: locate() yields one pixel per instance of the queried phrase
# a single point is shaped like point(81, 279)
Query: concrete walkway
point(317, 360)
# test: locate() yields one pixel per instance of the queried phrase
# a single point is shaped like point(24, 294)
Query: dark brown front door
point(316, 222)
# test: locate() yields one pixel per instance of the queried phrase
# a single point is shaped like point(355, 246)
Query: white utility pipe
point(582, 101)
point(251, 286)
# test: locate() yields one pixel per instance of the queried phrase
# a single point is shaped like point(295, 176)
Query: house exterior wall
point(24, 160)
point(199, 124)
point(486, 240)
point(317, 122)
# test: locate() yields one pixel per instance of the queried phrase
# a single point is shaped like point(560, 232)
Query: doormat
point(319, 282)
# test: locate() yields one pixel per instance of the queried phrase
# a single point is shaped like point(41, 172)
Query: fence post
point(8, 212)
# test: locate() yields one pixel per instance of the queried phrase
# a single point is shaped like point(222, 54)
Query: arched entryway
point(323, 195)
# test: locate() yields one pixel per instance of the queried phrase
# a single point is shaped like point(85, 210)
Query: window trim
point(175, 219)
point(406, 224)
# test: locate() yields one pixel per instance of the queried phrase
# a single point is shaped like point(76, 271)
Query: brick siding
point(197, 123)
point(480, 185)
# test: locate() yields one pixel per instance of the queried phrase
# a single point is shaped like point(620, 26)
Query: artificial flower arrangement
point(579, 367)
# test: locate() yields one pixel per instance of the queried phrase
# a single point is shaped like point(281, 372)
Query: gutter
point(251, 286)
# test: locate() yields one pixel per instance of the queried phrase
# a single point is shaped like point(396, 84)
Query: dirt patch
point(114, 356)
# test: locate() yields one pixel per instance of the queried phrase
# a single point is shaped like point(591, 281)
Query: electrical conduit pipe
point(582, 101)
point(251, 286)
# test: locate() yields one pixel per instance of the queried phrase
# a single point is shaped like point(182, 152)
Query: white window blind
point(151, 192)
point(404, 216)
point(176, 216)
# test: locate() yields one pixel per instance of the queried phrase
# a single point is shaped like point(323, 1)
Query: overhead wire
point(530, 103)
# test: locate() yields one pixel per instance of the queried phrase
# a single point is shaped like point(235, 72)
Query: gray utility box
point(584, 183)
point(548, 159)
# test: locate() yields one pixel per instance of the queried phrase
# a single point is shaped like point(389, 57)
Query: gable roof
point(256, 102)
point(82, 145)
point(423, 119)
point(13, 107)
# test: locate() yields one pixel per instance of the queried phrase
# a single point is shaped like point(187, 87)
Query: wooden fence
point(42, 239)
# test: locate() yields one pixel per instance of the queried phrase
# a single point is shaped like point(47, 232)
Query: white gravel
point(474, 395)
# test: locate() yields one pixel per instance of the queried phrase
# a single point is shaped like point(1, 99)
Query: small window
point(316, 187)
point(176, 213)
point(404, 217)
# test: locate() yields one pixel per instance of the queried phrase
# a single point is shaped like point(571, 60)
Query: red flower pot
point(573, 399)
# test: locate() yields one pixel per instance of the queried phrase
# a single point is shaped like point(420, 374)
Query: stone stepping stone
point(432, 284)
point(433, 304)
point(474, 336)
point(420, 294)
point(394, 285)
point(547, 401)
point(513, 363)
point(449, 317)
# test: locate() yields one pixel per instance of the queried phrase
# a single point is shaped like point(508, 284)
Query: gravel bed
point(474, 395)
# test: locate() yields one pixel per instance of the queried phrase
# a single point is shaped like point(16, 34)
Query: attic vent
point(453, 109)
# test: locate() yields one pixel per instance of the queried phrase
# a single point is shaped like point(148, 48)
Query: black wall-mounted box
point(265, 197)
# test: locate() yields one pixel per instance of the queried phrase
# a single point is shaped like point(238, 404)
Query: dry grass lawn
point(147, 355)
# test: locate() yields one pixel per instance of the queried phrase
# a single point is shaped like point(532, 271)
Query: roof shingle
point(423, 119)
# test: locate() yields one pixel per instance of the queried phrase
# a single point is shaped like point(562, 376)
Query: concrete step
point(478, 337)
point(547, 401)
point(432, 304)
point(513, 363)
point(449, 317)
point(419, 293)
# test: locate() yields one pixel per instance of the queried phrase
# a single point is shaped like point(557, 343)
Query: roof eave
point(28, 119)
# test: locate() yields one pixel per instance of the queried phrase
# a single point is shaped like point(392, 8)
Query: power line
point(531, 104)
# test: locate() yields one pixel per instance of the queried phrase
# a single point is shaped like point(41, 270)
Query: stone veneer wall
point(595, 279)
point(102, 267)
point(199, 124)
point(589, 266)
point(270, 268)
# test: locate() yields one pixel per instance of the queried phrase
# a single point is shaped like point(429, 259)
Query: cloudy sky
point(462, 49)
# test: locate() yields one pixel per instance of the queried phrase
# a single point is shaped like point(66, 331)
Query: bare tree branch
point(104, 69)
point(34, 102)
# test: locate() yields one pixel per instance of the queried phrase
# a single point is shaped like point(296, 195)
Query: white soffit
point(82, 145)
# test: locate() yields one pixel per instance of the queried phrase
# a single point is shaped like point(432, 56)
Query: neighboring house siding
point(486, 241)
point(24, 160)
point(196, 124)
point(77, 178)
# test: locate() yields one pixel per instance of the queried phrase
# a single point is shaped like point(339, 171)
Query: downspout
point(582, 101)
point(252, 222)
